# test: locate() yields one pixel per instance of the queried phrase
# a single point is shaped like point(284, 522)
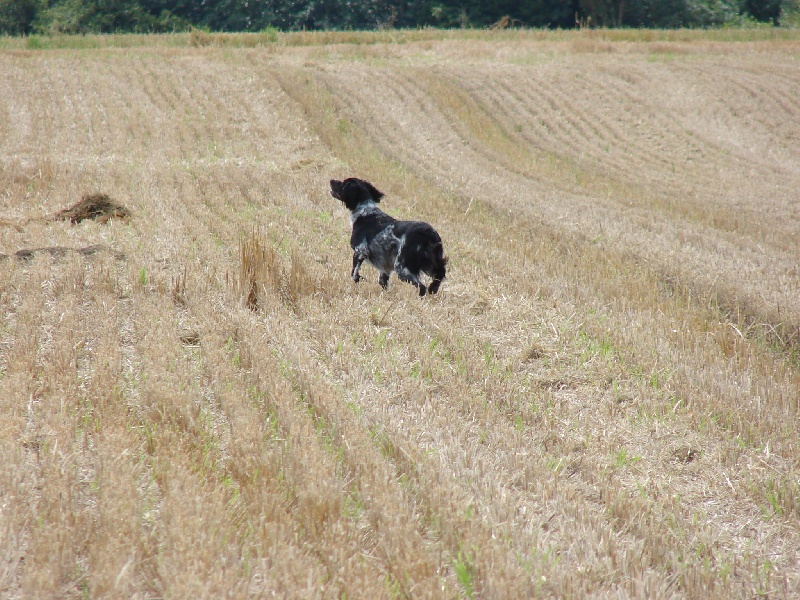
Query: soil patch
point(59, 251)
point(686, 454)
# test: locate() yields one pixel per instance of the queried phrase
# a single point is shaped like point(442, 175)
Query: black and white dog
point(406, 247)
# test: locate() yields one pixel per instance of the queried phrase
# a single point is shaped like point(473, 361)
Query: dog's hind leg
point(437, 281)
point(438, 271)
point(405, 275)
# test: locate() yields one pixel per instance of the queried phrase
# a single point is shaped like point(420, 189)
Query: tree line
point(25, 17)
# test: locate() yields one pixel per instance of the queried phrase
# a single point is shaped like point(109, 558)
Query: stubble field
point(601, 402)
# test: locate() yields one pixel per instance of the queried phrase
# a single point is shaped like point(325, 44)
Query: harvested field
point(602, 400)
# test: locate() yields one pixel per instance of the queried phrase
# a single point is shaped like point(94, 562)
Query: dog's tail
point(439, 269)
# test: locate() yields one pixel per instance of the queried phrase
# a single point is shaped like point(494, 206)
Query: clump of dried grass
point(263, 273)
point(256, 267)
point(97, 207)
point(178, 289)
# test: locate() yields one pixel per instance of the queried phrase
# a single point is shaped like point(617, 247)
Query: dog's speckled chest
point(374, 233)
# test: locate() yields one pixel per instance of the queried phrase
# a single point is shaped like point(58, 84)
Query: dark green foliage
point(233, 15)
point(711, 13)
point(666, 14)
point(17, 16)
point(678, 13)
point(474, 13)
point(763, 10)
point(107, 16)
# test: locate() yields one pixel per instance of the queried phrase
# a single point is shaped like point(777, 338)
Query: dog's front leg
point(358, 258)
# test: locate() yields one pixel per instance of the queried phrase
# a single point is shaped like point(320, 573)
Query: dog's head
point(353, 192)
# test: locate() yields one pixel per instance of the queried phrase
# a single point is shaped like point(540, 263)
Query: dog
point(406, 247)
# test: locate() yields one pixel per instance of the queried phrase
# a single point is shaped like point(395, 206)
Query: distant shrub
point(790, 14)
point(33, 42)
point(199, 37)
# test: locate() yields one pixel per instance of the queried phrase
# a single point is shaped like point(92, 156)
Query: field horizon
point(602, 400)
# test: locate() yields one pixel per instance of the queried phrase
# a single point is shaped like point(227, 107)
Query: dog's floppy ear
point(373, 191)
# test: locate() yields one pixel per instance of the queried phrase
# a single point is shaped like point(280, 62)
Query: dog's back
point(369, 225)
